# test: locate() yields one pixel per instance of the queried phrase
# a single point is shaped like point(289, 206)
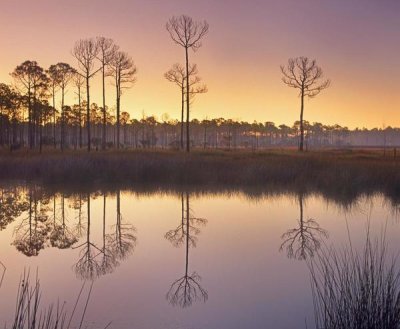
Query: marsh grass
point(356, 289)
point(30, 315)
point(335, 174)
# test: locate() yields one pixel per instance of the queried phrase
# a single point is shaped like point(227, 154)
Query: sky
point(356, 43)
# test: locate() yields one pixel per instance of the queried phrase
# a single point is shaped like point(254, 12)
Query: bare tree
point(79, 84)
point(54, 83)
point(86, 51)
point(107, 51)
point(124, 71)
point(304, 74)
point(177, 75)
point(62, 74)
point(187, 33)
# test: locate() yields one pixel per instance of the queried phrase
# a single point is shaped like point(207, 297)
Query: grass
point(356, 289)
point(334, 173)
point(30, 315)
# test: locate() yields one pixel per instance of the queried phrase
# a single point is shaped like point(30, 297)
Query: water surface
point(179, 259)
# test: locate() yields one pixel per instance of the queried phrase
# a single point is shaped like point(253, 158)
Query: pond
point(179, 259)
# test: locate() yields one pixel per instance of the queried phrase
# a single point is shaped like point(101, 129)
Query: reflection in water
point(32, 233)
point(304, 241)
point(122, 241)
point(87, 267)
point(45, 222)
point(12, 205)
point(61, 237)
point(187, 289)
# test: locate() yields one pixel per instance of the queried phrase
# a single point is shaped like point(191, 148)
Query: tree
point(31, 82)
point(79, 84)
point(304, 74)
point(188, 34)
point(62, 74)
point(177, 75)
point(86, 51)
point(124, 71)
point(107, 51)
point(52, 73)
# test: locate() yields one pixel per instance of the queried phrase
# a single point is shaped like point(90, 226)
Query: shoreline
point(343, 174)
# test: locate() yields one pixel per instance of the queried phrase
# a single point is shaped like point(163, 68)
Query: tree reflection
point(108, 260)
point(32, 233)
point(77, 204)
point(87, 267)
point(12, 204)
point(187, 289)
point(61, 237)
point(303, 241)
point(123, 240)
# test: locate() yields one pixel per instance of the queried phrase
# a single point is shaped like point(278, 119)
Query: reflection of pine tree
point(122, 242)
point(108, 260)
point(32, 233)
point(77, 204)
point(12, 204)
point(61, 237)
point(302, 242)
point(87, 267)
point(187, 289)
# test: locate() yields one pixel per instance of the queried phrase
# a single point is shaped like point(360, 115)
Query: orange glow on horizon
point(354, 44)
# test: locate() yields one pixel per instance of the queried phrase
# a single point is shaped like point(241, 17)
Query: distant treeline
point(29, 116)
point(150, 132)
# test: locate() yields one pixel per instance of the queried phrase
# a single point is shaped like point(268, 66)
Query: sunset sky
point(357, 43)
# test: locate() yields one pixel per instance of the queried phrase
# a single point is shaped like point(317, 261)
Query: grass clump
point(356, 289)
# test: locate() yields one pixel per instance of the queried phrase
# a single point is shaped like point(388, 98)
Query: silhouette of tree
point(124, 71)
point(79, 83)
point(86, 51)
point(187, 33)
point(187, 289)
point(177, 75)
point(32, 82)
point(304, 74)
point(304, 241)
point(61, 74)
point(107, 52)
point(10, 114)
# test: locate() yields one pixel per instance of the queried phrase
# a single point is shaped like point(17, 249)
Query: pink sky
point(357, 43)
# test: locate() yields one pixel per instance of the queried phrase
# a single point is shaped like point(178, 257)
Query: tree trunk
point(103, 144)
point(301, 146)
point(88, 112)
point(187, 101)
point(54, 118)
point(182, 112)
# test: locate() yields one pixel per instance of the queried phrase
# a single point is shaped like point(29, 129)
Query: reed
point(356, 289)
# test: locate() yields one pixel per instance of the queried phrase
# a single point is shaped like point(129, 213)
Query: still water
point(179, 259)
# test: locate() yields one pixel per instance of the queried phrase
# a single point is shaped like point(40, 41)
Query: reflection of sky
point(356, 42)
point(249, 282)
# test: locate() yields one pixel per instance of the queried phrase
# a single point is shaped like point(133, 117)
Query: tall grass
point(356, 289)
point(338, 175)
point(30, 315)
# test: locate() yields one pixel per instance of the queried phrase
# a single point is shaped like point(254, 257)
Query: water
point(179, 259)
